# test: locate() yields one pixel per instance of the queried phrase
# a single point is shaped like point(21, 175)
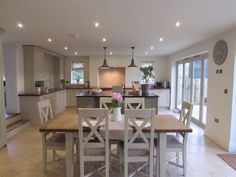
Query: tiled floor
point(22, 158)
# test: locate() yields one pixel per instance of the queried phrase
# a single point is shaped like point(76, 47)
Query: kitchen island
point(90, 99)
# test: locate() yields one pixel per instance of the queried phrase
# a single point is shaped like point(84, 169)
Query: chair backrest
point(134, 103)
point(139, 119)
point(104, 102)
point(185, 117)
point(45, 110)
point(90, 138)
point(186, 113)
point(117, 89)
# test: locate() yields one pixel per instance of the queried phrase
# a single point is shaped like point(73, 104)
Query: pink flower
point(116, 100)
point(117, 96)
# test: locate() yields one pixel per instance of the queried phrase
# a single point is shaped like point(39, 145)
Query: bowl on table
point(96, 91)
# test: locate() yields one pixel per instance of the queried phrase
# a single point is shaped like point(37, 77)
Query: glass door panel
point(196, 91)
point(187, 82)
point(179, 85)
point(205, 82)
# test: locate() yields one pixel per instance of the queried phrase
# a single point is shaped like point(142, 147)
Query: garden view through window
point(150, 80)
point(77, 73)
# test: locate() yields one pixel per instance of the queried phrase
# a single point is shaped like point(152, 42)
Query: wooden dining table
point(67, 122)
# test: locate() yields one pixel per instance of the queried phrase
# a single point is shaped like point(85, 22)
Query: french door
point(191, 86)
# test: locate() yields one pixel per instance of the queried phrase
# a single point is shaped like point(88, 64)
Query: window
point(77, 73)
point(150, 80)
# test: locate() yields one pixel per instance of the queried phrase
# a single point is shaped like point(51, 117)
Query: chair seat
point(173, 142)
point(57, 141)
point(135, 152)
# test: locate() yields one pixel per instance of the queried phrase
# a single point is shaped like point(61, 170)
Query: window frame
point(148, 63)
point(72, 80)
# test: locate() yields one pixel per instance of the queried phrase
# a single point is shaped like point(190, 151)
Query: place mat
point(230, 159)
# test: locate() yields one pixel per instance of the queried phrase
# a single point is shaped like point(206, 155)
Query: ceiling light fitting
point(96, 24)
point(104, 65)
point(132, 60)
point(20, 25)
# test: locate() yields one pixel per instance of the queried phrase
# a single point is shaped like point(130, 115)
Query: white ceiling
point(123, 22)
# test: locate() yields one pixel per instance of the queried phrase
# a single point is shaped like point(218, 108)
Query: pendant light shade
point(104, 65)
point(132, 60)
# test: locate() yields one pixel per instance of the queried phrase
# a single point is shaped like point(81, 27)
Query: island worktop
point(109, 94)
point(92, 100)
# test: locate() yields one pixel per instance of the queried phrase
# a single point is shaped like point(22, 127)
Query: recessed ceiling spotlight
point(146, 53)
point(177, 24)
point(76, 53)
point(65, 47)
point(161, 39)
point(49, 40)
point(151, 47)
point(110, 53)
point(20, 25)
point(104, 39)
point(96, 24)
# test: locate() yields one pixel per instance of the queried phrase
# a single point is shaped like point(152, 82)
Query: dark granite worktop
point(109, 93)
point(40, 93)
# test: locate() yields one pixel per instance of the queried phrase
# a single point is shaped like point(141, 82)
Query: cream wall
point(68, 62)
point(2, 120)
point(132, 74)
point(220, 105)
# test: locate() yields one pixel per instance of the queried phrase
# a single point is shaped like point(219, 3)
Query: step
point(16, 127)
point(11, 118)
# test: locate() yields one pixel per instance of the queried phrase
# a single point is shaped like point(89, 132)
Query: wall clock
point(220, 52)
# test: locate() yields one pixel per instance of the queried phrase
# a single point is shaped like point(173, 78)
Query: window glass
point(150, 80)
point(77, 73)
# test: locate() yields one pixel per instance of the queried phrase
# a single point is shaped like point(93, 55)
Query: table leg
point(69, 155)
point(162, 155)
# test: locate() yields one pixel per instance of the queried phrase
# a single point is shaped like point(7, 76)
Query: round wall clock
point(220, 52)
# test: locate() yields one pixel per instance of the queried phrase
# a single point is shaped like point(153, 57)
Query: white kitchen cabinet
point(62, 68)
point(38, 65)
point(71, 97)
point(164, 98)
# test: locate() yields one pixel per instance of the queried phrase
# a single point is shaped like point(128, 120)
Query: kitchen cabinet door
point(38, 65)
point(62, 68)
point(164, 97)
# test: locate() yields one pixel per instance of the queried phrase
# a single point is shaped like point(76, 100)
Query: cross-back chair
point(178, 143)
point(138, 146)
point(134, 103)
point(54, 141)
point(93, 142)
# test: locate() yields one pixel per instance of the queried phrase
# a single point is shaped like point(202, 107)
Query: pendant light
point(132, 61)
point(104, 65)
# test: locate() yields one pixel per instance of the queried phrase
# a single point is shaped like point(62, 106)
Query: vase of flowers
point(116, 106)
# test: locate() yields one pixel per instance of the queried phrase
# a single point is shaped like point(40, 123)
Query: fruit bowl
point(97, 90)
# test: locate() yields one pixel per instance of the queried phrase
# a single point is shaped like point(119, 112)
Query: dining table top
point(67, 121)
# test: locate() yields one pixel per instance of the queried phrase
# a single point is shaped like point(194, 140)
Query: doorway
point(191, 86)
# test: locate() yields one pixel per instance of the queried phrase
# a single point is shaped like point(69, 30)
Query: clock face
point(220, 52)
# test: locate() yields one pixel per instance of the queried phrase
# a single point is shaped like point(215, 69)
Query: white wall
point(219, 104)
point(14, 74)
point(2, 120)
point(131, 74)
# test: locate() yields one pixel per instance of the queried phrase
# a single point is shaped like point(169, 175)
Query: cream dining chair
point(178, 143)
point(138, 146)
point(134, 103)
point(93, 142)
point(54, 141)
